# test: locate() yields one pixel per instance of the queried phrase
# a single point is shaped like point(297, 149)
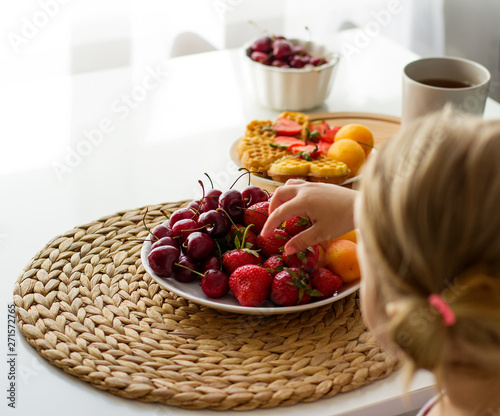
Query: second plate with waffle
point(267, 153)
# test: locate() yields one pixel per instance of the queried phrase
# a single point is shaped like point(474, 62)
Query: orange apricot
point(359, 133)
point(349, 152)
point(342, 259)
point(322, 257)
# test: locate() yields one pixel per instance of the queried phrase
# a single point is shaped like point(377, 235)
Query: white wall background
point(46, 38)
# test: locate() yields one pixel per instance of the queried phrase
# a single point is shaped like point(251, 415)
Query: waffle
point(325, 169)
point(259, 156)
point(260, 128)
point(248, 143)
point(289, 167)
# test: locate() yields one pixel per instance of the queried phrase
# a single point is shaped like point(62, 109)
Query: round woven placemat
point(87, 305)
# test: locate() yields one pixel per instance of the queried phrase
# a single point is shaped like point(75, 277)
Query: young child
point(428, 217)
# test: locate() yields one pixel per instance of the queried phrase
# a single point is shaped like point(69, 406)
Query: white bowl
point(290, 89)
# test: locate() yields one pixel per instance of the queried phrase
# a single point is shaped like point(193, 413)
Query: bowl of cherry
point(288, 74)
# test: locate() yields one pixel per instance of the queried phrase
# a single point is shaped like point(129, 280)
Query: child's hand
point(329, 207)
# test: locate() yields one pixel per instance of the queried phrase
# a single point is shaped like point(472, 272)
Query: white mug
point(430, 83)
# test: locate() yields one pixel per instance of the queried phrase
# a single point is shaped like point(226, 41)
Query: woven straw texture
point(87, 305)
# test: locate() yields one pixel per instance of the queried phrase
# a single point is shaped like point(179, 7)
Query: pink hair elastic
point(444, 309)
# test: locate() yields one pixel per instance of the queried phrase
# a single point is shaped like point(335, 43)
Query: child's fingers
point(277, 216)
point(284, 193)
point(280, 206)
point(307, 238)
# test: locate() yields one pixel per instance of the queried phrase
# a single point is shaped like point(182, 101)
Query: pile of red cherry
point(281, 52)
point(217, 238)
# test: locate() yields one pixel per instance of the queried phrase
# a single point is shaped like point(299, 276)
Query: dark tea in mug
point(445, 83)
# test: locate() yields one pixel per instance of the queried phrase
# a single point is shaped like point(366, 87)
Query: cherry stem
point(308, 33)
point(220, 254)
point(203, 189)
point(185, 267)
point(145, 225)
point(194, 229)
point(257, 27)
point(210, 179)
point(247, 172)
point(229, 216)
point(245, 235)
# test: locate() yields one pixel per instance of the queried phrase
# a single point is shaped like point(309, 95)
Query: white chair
point(188, 43)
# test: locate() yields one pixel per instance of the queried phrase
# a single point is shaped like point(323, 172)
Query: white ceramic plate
point(192, 291)
point(267, 183)
point(382, 126)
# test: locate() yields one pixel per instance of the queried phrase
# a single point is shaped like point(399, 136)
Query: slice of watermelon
point(286, 127)
point(287, 141)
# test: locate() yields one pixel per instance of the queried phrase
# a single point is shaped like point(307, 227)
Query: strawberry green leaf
point(237, 242)
point(304, 155)
point(313, 136)
point(253, 252)
point(314, 292)
point(302, 221)
point(302, 256)
point(279, 146)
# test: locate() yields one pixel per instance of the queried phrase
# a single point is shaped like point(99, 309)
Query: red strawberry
point(256, 214)
point(251, 284)
point(326, 282)
point(306, 152)
point(324, 147)
point(287, 127)
point(291, 287)
point(238, 231)
point(274, 264)
point(330, 134)
point(306, 259)
point(296, 225)
point(241, 255)
point(286, 142)
point(274, 243)
point(231, 260)
point(320, 127)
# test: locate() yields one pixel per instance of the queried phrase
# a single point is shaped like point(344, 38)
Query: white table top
point(180, 129)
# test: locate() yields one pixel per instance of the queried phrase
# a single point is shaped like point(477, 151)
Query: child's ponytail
point(470, 310)
point(429, 215)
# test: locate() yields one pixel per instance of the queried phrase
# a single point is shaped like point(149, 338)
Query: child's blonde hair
point(430, 217)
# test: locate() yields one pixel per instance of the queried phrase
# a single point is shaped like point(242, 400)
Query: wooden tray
point(382, 126)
